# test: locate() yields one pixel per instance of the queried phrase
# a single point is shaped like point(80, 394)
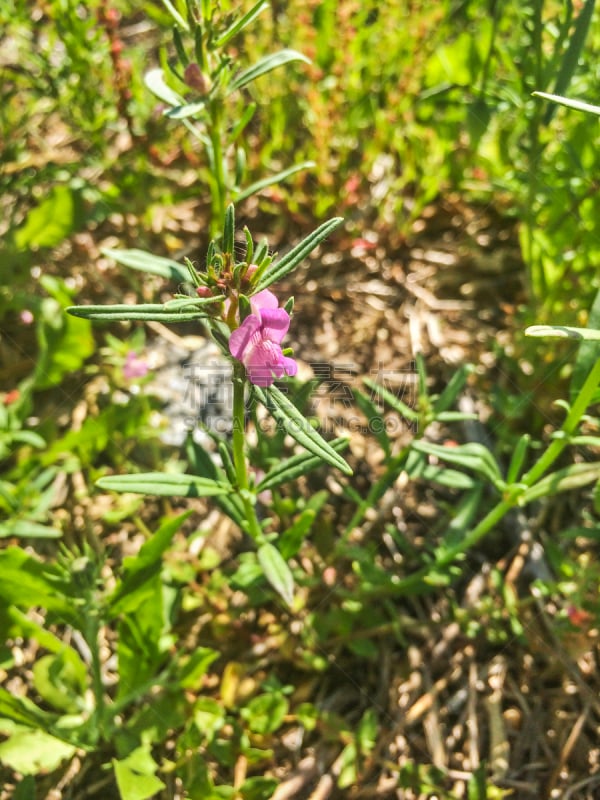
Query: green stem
point(92, 638)
point(568, 428)
point(239, 454)
point(493, 517)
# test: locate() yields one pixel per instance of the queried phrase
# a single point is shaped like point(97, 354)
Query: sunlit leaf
point(164, 484)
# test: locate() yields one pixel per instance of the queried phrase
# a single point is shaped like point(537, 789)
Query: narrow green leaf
point(229, 230)
point(176, 15)
point(294, 423)
point(155, 81)
point(472, 456)
point(144, 312)
point(518, 458)
point(375, 420)
point(258, 186)
point(266, 64)
point(147, 262)
point(278, 269)
point(242, 23)
point(572, 53)
point(164, 484)
point(588, 352)
point(202, 464)
point(455, 386)
point(579, 105)
point(28, 529)
point(393, 401)
point(276, 571)
point(185, 111)
point(295, 467)
point(563, 480)
point(563, 332)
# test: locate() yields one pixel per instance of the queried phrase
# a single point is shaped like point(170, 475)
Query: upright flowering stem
point(239, 453)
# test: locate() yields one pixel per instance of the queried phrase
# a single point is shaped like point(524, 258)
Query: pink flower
point(134, 366)
point(257, 342)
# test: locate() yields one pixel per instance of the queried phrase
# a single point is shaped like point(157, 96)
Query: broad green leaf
point(258, 186)
point(295, 467)
point(263, 66)
point(563, 480)
point(242, 23)
point(33, 751)
point(192, 671)
point(60, 681)
point(164, 484)
point(155, 81)
point(283, 266)
point(24, 712)
point(27, 582)
point(293, 422)
point(265, 713)
point(135, 775)
point(258, 788)
point(472, 456)
point(49, 223)
point(563, 332)
point(144, 312)
point(276, 571)
point(147, 262)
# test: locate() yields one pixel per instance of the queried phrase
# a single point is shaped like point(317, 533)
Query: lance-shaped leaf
point(242, 23)
point(185, 111)
point(579, 105)
point(155, 81)
point(266, 64)
point(164, 484)
point(293, 422)
point(563, 332)
point(281, 267)
point(572, 53)
point(276, 571)
point(146, 311)
point(295, 467)
point(473, 457)
point(147, 262)
point(258, 186)
point(571, 477)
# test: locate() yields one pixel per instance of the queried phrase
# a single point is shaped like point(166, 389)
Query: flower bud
point(195, 79)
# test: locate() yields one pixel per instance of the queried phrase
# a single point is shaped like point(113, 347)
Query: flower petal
point(275, 323)
point(290, 366)
point(241, 337)
point(264, 299)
